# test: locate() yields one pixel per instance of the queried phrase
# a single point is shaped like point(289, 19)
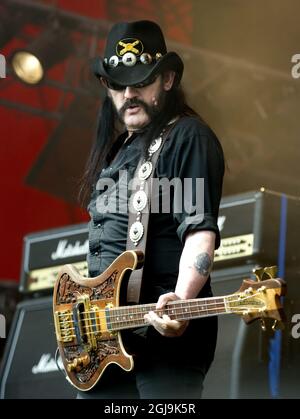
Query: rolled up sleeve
point(199, 164)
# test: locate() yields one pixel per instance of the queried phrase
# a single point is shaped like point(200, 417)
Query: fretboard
point(127, 317)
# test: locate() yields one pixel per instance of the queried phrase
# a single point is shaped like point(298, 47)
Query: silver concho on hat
point(139, 201)
point(154, 146)
point(129, 59)
point(136, 232)
point(145, 170)
point(113, 61)
point(146, 58)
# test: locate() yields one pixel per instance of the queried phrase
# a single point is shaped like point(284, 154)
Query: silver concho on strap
point(140, 198)
point(139, 201)
point(136, 232)
point(154, 146)
point(145, 170)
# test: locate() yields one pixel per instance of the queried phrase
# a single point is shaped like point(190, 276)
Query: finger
point(174, 324)
point(166, 318)
point(154, 318)
point(158, 323)
point(161, 302)
point(165, 326)
point(164, 298)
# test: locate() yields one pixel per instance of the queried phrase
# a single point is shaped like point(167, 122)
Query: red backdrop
point(25, 209)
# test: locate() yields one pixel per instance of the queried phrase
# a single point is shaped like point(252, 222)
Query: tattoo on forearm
point(203, 264)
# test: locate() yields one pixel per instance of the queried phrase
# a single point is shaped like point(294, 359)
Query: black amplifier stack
point(29, 368)
point(258, 229)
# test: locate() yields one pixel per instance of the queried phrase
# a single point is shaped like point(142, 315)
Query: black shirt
point(191, 151)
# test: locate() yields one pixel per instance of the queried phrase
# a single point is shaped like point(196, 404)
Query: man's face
point(136, 107)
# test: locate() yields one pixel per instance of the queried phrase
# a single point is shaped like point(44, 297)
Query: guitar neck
point(127, 317)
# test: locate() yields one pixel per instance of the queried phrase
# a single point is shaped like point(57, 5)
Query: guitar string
point(124, 326)
point(115, 330)
point(168, 309)
point(141, 308)
point(140, 318)
point(140, 315)
point(136, 322)
point(241, 310)
point(196, 301)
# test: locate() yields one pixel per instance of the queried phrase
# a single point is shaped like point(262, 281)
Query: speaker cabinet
point(28, 367)
point(242, 367)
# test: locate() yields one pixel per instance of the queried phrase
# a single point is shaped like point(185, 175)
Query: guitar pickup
point(86, 321)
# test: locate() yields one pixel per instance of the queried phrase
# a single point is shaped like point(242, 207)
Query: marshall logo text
point(46, 364)
point(66, 250)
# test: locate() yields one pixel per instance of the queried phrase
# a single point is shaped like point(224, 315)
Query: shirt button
point(96, 253)
point(98, 225)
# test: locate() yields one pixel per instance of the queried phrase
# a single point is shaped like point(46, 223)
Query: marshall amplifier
point(29, 369)
point(255, 227)
point(258, 228)
point(45, 252)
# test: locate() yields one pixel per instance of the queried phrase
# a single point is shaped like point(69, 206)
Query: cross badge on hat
point(134, 45)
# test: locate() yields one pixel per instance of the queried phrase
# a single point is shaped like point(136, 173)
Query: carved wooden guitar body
point(89, 319)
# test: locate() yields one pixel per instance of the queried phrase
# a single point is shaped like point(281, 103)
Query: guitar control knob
point(78, 363)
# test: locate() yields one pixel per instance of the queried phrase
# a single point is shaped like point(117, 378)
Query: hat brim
point(128, 76)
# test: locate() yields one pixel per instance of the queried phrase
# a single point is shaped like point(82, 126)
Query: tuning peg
point(263, 324)
point(262, 289)
point(258, 272)
point(271, 271)
point(249, 291)
point(277, 325)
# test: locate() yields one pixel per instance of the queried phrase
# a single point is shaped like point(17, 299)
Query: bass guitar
point(89, 319)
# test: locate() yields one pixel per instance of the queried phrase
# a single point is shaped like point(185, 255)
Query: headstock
point(260, 299)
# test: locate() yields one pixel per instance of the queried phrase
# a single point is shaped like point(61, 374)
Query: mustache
point(133, 102)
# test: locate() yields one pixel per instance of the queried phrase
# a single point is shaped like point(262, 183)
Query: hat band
point(130, 59)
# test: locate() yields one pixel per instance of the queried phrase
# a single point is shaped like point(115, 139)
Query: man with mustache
point(144, 101)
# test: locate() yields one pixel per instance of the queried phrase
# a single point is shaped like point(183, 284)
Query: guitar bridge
point(81, 324)
point(63, 326)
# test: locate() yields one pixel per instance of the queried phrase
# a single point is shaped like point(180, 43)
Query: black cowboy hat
point(135, 52)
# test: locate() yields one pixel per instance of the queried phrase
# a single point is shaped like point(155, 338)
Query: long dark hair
point(107, 132)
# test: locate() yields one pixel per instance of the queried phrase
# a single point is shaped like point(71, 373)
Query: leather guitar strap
point(139, 210)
